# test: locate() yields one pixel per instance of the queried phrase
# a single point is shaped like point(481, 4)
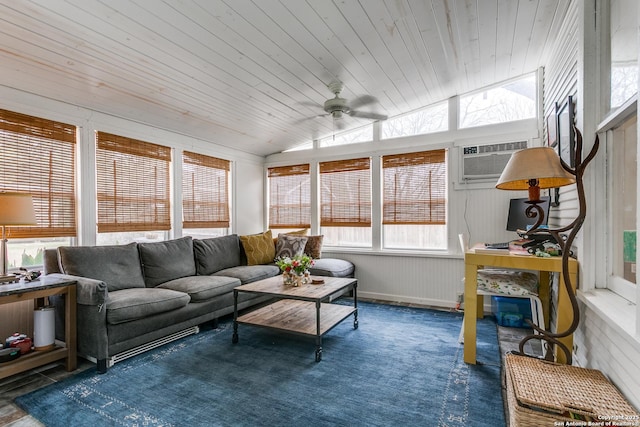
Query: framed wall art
point(552, 128)
point(566, 138)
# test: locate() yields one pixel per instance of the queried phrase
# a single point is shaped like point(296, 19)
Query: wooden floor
point(10, 388)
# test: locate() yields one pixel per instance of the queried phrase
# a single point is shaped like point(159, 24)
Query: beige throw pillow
point(259, 248)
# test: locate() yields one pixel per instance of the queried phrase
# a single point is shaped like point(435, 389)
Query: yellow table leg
point(545, 296)
point(470, 312)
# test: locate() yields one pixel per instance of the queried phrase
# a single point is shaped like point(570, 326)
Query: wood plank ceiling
point(249, 74)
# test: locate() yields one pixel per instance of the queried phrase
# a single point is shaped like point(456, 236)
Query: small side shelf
point(32, 360)
point(44, 287)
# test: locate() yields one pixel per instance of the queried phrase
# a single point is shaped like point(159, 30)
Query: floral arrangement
point(295, 265)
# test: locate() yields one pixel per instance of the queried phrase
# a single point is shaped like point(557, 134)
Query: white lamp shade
point(17, 209)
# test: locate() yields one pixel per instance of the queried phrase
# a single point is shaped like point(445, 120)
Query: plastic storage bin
point(511, 311)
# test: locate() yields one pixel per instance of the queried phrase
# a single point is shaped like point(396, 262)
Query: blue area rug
point(402, 366)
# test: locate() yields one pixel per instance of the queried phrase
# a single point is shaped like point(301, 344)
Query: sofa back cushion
point(216, 254)
point(168, 260)
point(118, 266)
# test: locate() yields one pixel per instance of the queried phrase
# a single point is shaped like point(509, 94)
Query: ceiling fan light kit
point(337, 106)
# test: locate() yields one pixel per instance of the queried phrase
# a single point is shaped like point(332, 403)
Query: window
point(624, 50)
point(428, 120)
point(304, 146)
point(133, 188)
point(414, 200)
point(205, 194)
point(515, 100)
point(623, 214)
point(362, 134)
point(38, 157)
point(345, 202)
point(289, 197)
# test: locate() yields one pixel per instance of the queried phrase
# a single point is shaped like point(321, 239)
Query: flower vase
point(292, 279)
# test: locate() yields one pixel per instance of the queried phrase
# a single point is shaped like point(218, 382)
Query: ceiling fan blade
point(362, 100)
point(367, 115)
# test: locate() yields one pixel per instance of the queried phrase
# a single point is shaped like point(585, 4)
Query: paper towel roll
point(44, 325)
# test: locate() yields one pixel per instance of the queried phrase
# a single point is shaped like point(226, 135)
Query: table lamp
point(15, 209)
point(533, 169)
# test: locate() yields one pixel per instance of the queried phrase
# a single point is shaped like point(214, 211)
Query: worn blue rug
point(402, 366)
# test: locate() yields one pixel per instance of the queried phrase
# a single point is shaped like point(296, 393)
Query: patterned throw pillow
point(313, 247)
point(259, 248)
point(302, 232)
point(290, 246)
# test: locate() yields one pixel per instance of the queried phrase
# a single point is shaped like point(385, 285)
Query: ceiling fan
point(337, 107)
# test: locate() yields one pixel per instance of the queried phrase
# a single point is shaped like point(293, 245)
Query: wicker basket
point(540, 392)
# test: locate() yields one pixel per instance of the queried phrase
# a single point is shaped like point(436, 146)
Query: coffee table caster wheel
point(234, 338)
point(355, 324)
point(318, 355)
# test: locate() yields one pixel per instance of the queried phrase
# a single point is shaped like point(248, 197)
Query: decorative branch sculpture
point(565, 242)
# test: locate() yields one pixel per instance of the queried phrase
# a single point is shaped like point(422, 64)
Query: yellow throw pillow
point(259, 248)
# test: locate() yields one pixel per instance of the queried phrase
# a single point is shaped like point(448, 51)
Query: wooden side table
point(43, 287)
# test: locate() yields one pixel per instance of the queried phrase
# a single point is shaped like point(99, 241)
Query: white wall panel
point(409, 279)
point(598, 345)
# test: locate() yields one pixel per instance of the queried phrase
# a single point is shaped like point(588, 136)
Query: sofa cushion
point(250, 273)
point(217, 253)
point(332, 267)
point(168, 260)
point(259, 248)
point(131, 304)
point(313, 248)
point(290, 246)
point(202, 288)
point(118, 266)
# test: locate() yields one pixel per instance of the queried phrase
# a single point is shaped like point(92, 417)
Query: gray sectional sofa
point(134, 297)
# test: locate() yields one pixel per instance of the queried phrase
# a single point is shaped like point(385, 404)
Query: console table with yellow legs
point(474, 303)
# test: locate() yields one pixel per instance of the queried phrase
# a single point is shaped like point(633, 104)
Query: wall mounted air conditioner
point(486, 162)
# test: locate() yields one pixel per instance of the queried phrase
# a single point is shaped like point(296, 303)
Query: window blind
point(414, 188)
point(345, 193)
point(205, 191)
point(289, 197)
point(39, 157)
point(133, 184)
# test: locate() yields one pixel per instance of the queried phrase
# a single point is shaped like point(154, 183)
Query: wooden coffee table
point(304, 310)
